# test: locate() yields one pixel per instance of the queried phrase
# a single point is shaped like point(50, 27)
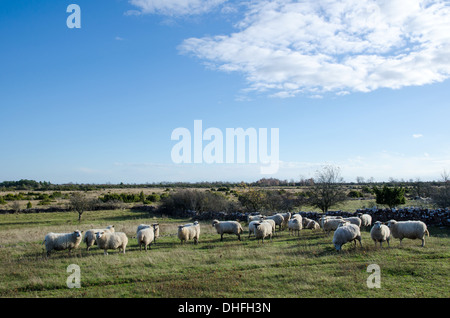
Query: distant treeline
point(32, 185)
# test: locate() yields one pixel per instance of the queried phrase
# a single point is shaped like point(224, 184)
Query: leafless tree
point(79, 203)
point(327, 189)
point(441, 194)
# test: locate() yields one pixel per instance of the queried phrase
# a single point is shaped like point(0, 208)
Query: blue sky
point(362, 85)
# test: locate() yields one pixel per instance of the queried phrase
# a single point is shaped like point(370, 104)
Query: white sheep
point(155, 227)
point(380, 233)
point(251, 227)
point(145, 237)
point(313, 225)
point(327, 217)
point(332, 224)
point(89, 236)
point(354, 220)
point(408, 229)
point(286, 217)
point(263, 230)
point(272, 223)
point(258, 217)
point(190, 231)
point(366, 219)
point(295, 225)
point(278, 218)
point(228, 227)
point(62, 241)
point(298, 217)
point(111, 241)
point(346, 233)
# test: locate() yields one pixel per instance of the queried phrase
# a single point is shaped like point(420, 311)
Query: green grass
point(305, 266)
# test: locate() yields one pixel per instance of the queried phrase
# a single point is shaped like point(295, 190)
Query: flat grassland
point(286, 267)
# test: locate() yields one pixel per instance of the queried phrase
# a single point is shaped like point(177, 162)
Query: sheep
point(145, 237)
point(258, 217)
point(188, 232)
point(228, 227)
point(332, 224)
point(324, 218)
point(278, 218)
point(286, 217)
point(297, 216)
point(354, 220)
point(295, 225)
point(346, 233)
point(408, 229)
point(313, 225)
point(251, 227)
point(107, 240)
point(155, 227)
point(89, 236)
point(366, 219)
point(62, 241)
point(380, 233)
point(272, 223)
point(263, 230)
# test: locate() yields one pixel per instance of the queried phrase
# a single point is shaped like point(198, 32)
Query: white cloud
point(176, 7)
point(287, 47)
point(417, 136)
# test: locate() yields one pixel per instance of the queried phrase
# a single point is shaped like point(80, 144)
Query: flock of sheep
point(262, 227)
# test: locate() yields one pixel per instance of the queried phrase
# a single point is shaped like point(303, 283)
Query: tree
point(441, 194)
point(390, 196)
point(327, 190)
point(79, 202)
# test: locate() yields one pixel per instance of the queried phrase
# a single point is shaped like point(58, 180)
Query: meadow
point(286, 267)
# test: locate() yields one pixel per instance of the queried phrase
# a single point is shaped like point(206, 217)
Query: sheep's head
point(77, 233)
point(214, 223)
point(391, 222)
point(99, 234)
point(377, 224)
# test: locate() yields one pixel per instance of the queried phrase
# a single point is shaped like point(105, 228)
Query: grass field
point(287, 267)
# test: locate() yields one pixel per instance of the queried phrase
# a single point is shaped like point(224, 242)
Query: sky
point(359, 84)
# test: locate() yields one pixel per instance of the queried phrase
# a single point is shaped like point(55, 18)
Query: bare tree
point(78, 202)
point(327, 189)
point(441, 194)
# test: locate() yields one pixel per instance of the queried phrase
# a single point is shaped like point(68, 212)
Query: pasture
point(286, 267)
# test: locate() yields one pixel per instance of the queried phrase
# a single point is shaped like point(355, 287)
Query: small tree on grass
point(327, 189)
point(390, 196)
point(79, 203)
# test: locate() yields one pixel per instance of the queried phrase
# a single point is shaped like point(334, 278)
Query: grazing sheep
point(263, 230)
point(380, 233)
point(354, 220)
point(313, 225)
point(408, 229)
point(346, 233)
point(62, 241)
point(228, 227)
point(286, 217)
point(295, 225)
point(278, 218)
point(190, 231)
point(145, 237)
point(324, 218)
point(332, 224)
point(258, 217)
point(366, 219)
point(155, 227)
point(89, 236)
point(111, 241)
point(298, 217)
